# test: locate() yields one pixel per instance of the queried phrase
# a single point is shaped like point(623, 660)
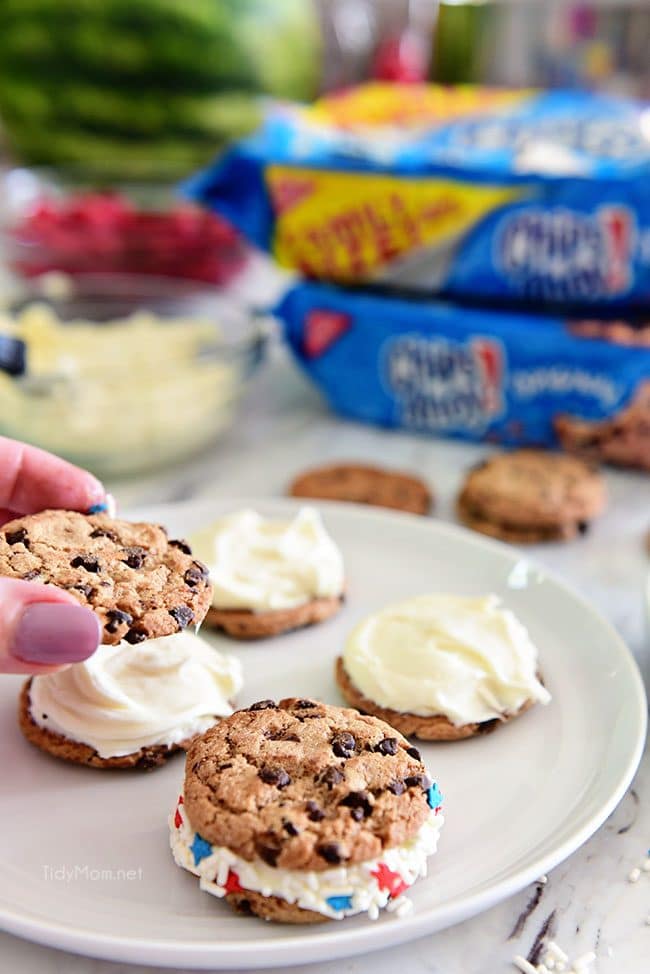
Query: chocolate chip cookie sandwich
point(530, 496)
point(270, 576)
point(301, 812)
point(441, 667)
point(140, 583)
point(130, 706)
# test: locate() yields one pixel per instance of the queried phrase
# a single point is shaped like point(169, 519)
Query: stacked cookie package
point(479, 260)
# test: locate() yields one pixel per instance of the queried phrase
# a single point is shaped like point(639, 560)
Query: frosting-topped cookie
point(270, 575)
point(139, 582)
point(442, 666)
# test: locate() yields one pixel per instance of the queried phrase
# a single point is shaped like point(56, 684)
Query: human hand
point(42, 628)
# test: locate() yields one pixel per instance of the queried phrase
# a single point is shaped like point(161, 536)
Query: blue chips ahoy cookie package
point(498, 194)
point(502, 376)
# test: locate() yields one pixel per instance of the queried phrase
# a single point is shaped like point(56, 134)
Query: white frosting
point(262, 564)
point(468, 659)
point(125, 697)
point(356, 888)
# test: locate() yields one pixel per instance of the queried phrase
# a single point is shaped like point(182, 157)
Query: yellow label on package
point(347, 225)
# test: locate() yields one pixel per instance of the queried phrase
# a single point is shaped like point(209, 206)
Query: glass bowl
point(59, 220)
point(122, 374)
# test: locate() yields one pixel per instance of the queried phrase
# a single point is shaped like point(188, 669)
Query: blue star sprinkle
point(434, 798)
point(98, 508)
point(339, 903)
point(200, 849)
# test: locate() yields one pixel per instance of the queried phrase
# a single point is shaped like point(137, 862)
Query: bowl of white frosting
point(122, 374)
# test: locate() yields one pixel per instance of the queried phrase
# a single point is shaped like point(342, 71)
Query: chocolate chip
point(116, 618)
point(331, 852)
point(103, 533)
point(397, 787)
point(181, 544)
point(358, 801)
point(264, 705)
point(414, 753)
point(85, 561)
point(331, 777)
point(274, 776)
point(357, 814)
point(418, 780)
point(43, 716)
point(134, 636)
point(314, 812)
point(304, 705)
point(182, 615)
point(269, 854)
point(343, 744)
point(18, 537)
point(389, 745)
point(195, 575)
point(134, 556)
point(290, 828)
point(244, 907)
point(30, 576)
point(86, 590)
point(583, 527)
point(224, 767)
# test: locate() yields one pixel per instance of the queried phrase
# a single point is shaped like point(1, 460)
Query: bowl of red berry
point(56, 221)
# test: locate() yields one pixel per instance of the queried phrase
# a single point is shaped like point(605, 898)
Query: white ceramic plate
point(516, 802)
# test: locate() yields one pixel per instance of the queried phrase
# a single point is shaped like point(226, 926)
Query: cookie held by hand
point(362, 484)
point(141, 584)
point(300, 812)
point(530, 496)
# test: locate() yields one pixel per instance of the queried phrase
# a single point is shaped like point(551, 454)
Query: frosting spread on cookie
point(344, 891)
point(262, 564)
point(125, 697)
point(468, 659)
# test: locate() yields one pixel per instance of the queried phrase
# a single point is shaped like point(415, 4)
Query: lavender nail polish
point(55, 633)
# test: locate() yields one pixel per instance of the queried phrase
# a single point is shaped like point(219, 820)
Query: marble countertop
point(587, 903)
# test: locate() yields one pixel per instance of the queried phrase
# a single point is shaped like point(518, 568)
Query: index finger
point(33, 480)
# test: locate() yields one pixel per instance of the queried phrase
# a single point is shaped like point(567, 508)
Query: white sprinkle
point(560, 965)
point(645, 865)
point(373, 911)
point(111, 505)
point(550, 963)
point(584, 962)
point(556, 951)
point(543, 879)
point(634, 875)
point(404, 906)
point(524, 966)
point(542, 969)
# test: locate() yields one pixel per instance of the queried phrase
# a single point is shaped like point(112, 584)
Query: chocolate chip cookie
point(362, 484)
point(530, 496)
point(285, 802)
point(435, 728)
point(245, 624)
point(139, 582)
point(76, 752)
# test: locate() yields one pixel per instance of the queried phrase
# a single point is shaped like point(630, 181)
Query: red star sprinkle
point(389, 880)
point(178, 819)
point(232, 884)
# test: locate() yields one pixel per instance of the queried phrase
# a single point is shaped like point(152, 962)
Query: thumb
point(43, 628)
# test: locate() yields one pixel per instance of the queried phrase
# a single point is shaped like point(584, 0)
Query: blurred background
point(106, 106)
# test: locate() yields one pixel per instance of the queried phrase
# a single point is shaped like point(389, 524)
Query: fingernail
point(55, 632)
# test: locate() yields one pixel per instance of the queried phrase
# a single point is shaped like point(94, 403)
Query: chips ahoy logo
point(445, 385)
point(562, 255)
